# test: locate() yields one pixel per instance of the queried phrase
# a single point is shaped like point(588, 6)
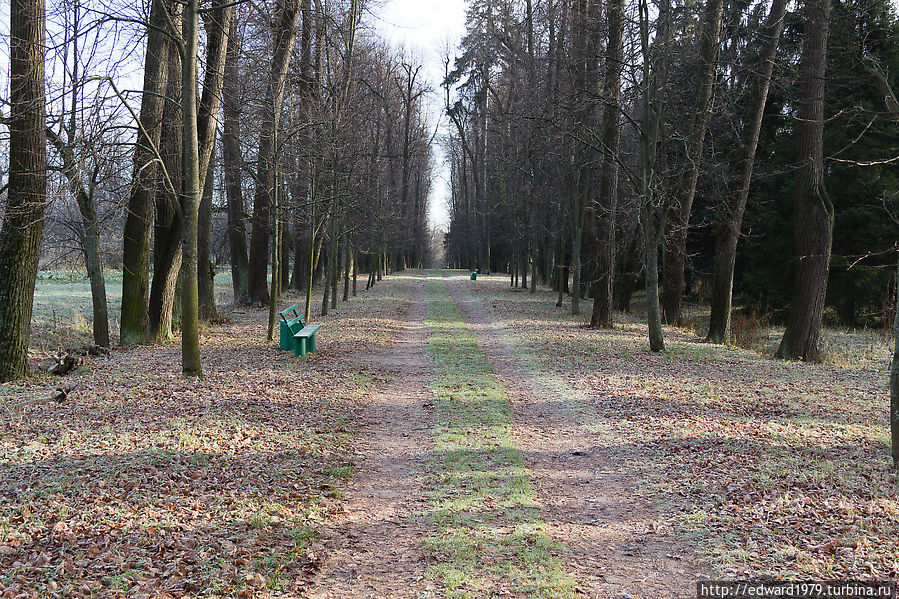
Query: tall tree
point(610, 131)
point(23, 221)
point(813, 213)
point(654, 71)
point(300, 179)
point(66, 144)
point(135, 319)
point(232, 163)
point(731, 218)
point(169, 215)
point(685, 187)
point(190, 195)
point(284, 36)
point(218, 33)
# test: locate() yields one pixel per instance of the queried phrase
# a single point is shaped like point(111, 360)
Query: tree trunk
point(232, 161)
point(190, 196)
point(23, 221)
point(655, 79)
point(812, 210)
point(604, 243)
point(355, 269)
point(168, 228)
point(285, 34)
point(732, 218)
point(284, 252)
point(651, 236)
point(135, 320)
point(894, 391)
point(626, 274)
point(276, 242)
point(334, 275)
point(300, 180)
point(685, 190)
point(205, 267)
point(327, 283)
point(218, 32)
point(347, 259)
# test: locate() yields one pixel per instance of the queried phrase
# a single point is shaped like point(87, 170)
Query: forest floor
point(450, 438)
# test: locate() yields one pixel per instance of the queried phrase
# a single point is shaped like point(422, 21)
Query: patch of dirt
point(374, 548)
point(617, 544)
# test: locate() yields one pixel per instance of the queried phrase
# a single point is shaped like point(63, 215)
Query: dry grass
point(148, 484)
point(773, 468)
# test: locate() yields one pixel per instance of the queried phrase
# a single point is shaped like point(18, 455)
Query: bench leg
point(312, 343)
point(299, 348)
point(285, 336)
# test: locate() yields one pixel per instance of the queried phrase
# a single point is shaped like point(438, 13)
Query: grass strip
point(490, 539)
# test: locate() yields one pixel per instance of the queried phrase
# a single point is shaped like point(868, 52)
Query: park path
point(615, 548)
point(374, 549)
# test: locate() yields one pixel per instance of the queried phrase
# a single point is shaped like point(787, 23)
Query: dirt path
point(374, 549)
point(584, 481)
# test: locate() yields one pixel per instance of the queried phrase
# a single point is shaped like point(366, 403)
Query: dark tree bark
point(300, 180)
point(205, 268)
point(285, 34)
point(894, 378)
point(685, 189)
point(583, 50)
point(23, 221)
point(732, 218)
point(628, 271)
point(604, 243)
point(285, 243)
point(135, 320)
point(232, 162)
point(812, 210)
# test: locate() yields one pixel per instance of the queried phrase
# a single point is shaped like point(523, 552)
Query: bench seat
point(304, 340)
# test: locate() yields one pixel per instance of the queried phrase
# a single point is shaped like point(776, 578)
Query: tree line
point(701, 151)
point(290, 119)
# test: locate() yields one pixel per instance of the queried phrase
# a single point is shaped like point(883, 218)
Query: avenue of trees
point(740, 154)
point(290, 120)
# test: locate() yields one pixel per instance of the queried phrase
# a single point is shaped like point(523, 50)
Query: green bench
point(295, 334)
point(289, 326)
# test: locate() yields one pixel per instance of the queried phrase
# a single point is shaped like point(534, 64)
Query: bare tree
point(284, 36)
point(135, 319)
point(731, 219)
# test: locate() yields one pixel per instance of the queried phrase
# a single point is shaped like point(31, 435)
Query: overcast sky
point(426, 28)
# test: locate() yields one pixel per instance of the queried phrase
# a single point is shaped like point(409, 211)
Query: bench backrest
point(296, 313)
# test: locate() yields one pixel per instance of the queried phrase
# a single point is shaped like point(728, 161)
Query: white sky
point(426, 28)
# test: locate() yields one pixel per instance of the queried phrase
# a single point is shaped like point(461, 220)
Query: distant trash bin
point(474, 276)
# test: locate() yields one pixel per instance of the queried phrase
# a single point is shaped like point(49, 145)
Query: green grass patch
point(489, 533)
